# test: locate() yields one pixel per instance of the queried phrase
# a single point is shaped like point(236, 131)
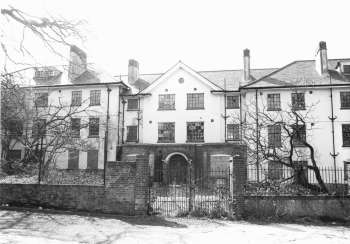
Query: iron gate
point(199, 192)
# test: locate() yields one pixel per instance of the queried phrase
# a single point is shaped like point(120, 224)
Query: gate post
point(190, 187)
point(239, 166)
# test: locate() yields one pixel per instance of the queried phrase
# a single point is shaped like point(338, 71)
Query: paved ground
point(40, 227)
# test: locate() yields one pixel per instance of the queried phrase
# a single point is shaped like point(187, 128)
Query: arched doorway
point(177, 168)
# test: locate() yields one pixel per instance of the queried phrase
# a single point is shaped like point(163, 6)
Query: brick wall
point(126, 191)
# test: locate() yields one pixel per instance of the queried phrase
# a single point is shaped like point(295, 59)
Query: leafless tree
point(287, 143)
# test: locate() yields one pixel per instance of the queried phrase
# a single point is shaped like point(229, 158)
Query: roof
point(302, 73)
point(233, 78)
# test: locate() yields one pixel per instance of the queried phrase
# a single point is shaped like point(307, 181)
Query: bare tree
point(282, 136)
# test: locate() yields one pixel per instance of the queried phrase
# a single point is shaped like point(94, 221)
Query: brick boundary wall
point(126, 191)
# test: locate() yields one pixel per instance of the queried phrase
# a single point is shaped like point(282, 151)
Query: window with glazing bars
point(73, 159)
point(299, 135)
point(75, 123)
point(166, 102)
point(345, 100)
point(131, 133)
point(15, 128)
point(94, 127)
point(133, 104)
point(195, 100)
point(92, 159)
point(76, 98)
point(273, 102)
point(298, 101)
point(346, 135)
point(39, 128)
point(95, 97)
point(232, 132)
point(166, 132)
point(195, 131)
point(274, 135)
point(14, 155)
point(346, 69)
point(232, 102)
point(275, 170)
point(41, 99)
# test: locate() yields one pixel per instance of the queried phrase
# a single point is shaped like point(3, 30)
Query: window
point(274, 135)
point(94, 127)
point(95, 97)
point(232, 102)
point(15, 128)
point(166, 102)
point(346, 135)
point(73, 159)
point(195, 131)
point(131, 133)
point(133, 104)
point(14, 155)
point(273, 102)
point(41, 99)
point(345, 100)
point(39, 128)
point(92, 159)
point(299, 135)
point(346, 69)
point(75, 123)
point(233, 132)
point(76, 98)
point(298, 101)
point(275, 170)
point(300, 171)
point(195, 100)
point(166, 132)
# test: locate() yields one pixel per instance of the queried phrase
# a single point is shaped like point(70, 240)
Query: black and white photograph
point(181, 121)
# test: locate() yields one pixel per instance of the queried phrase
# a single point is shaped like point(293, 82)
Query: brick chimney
point(77, 63)
point(133, 71)
point(246, 61)
point(322, 60)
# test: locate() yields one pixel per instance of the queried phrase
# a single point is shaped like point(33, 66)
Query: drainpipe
point(123, 120)
point(138, 121)
point(106, 138)
point(240, 117)
point(257, 135)
point(332, 118)
point(225, 112)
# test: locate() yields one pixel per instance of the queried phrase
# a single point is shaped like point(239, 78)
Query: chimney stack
point(133, 71)
point(322, 60)
point(246, 60)
point(77, 62)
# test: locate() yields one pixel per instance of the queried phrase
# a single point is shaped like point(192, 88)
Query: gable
point(176, 72)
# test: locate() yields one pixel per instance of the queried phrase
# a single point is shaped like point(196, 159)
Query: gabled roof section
point(177, 66)
point(301, 73)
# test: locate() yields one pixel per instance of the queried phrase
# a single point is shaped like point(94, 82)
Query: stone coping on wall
point(294, 197)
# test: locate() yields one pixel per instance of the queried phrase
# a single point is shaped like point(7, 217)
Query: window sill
point(133, 110)
point(346, 146)
point(344, 108)
point(195, 141)
point(232, 140)
point(166, 109)
point(92, 105)
point(297, 109)
point(273, 109)
point(165, 141)
point(194, 108)
point(232, 108)
point(131, 141)
point(75, 105)
point(93, 136)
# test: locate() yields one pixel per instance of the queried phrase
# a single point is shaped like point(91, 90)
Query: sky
point(206, 35)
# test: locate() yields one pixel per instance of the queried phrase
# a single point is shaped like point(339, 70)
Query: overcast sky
point(206, 35)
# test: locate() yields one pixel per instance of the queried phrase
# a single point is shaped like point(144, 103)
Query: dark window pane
point(15, 128)
point(346, 69)
point(73, 159)
point(94, 127)
point(195, 131)
point(39, 128)
point(95, 97)
point(76, 98)
point(133, 104)
point(298, 101)
point(275, 170)
point(233, 132)
point(300, 171)
point(166, 102)
point(273, 102)
point(195, 101)
point(92, 159)
point(344, 100)
point(166, 132)
point(274, 135)
point(232, 102)
point(299, 135)
point(346, 135)
point(41, 99)
point(14, 155)
point(131, 133)
point(75, 127)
